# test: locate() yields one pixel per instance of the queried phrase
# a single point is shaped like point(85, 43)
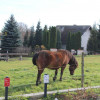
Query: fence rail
point(11, 54)
point(15, 54)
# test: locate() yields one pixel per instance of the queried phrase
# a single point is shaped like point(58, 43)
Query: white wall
point(79, 52)
point(84, 40)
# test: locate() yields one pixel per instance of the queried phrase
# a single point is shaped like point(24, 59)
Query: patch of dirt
point(78, 95)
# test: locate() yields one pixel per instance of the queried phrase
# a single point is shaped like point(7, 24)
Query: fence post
point(82, 70)
point(6, 84)
point(46, 80)
point(20, 57)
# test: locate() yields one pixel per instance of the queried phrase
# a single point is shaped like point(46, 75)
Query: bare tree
point(22, 28)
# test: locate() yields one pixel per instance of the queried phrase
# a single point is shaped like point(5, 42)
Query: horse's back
point(49, 59)
point(43, 58)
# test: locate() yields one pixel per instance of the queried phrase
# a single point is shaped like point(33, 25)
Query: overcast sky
point(51, 12)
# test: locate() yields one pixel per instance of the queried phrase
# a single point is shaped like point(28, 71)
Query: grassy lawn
point(23, 76)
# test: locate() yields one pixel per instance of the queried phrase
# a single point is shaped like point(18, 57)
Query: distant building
point(84, 29)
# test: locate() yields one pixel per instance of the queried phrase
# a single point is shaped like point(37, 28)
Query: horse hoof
point(54, 79)
point(40, 82)
point(36, 84)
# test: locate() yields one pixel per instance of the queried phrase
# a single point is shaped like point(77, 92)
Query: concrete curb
point(40, 94)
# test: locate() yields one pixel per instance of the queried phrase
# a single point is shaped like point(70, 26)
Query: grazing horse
point(54, 60)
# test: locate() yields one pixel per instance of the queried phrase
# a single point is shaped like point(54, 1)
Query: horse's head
point(73, 66)
point(72, 69)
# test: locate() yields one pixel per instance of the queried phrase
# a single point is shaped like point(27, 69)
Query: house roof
point(64, 29)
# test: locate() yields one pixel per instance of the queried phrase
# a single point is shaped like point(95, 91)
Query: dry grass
point(78, 95)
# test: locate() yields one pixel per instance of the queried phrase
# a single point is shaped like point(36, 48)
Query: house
point(85, 34)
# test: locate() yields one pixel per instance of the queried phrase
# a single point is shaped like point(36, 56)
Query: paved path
point(40, 94)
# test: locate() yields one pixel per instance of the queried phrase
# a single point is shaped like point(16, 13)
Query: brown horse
point(54, 60)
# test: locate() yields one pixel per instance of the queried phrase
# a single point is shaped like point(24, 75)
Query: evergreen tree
point(48, 40)
point(75, 37)
point(45, 36)
point(58, 39)
point(31, 38)
point(73, 41)
point(77, 41)
point(68, 41)
point(53, 37)
point(98, 39)
point(11, 36)
point(38, 35)
point(25, 43)
point(92, 43)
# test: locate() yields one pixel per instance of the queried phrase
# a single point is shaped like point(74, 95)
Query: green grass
point(23, 76)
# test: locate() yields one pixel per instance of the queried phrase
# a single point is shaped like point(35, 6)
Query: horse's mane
point(35, 58)
point(72, 61)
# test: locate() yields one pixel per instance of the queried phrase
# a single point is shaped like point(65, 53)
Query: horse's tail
point(35, 57)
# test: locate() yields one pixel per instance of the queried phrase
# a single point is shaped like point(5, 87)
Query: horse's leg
point(54, 78)
point(39, 76)
point(62, 69)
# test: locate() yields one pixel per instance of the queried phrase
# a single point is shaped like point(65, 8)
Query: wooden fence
point(5, 56)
